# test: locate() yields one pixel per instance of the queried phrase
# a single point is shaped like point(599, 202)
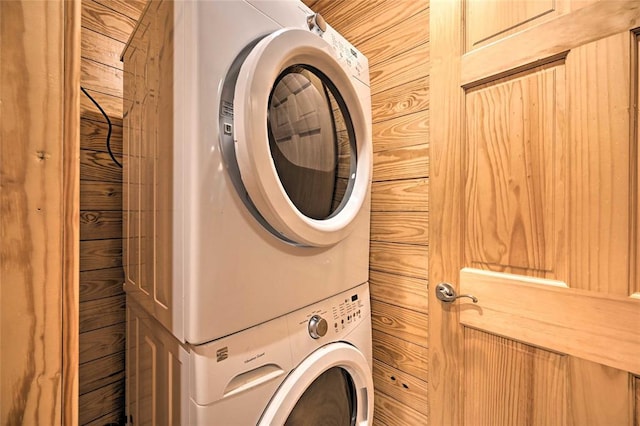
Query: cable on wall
point(108, 122)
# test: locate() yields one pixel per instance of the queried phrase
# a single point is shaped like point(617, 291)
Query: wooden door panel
point(488, 21)
point(510, 383)
point(514, 202)
point(534, 183)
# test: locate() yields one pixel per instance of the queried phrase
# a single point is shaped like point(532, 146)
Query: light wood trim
point(539, 43)
point(71, 210)
point(546, 313)
point(445, 215)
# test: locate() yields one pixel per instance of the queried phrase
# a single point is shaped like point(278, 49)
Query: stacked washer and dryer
point(247, 134)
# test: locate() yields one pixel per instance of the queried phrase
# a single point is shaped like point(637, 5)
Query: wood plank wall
point(106, 25)
point(39, 141)
point(394, 34)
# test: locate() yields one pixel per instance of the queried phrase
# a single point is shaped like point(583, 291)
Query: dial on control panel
point(317, 326)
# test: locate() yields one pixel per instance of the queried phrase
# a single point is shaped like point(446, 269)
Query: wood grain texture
point(101, 78)
point(98, 166)
point(600, 147)
point(92, 374)
point(397, 258)
point(401, 163)
point(100, 254)
point(403, 195)
point(95, 404)
point(100, 196)
point(101, 283)
point(400, 69)
point(535, 310)
point(111, 104)
point(98, 225)
point(636, 411)
point(513, 189)
point(407, 292)
point(38, 204)
point(510, 383)
point(406, 130)
point(129, 8)
point(405, 388)
point(400, 100)
point(104, 20)
point(390, 412)
point(400, 227)
point(101, 49)
point(71, 203)
point(114, 417)
point(399, 322)
point(400, 354)
point(102, 342)
point(599, 394)
point(94, 135)
point(445, 187)
point(396, 40)
point(592, 22)
point(100, 313)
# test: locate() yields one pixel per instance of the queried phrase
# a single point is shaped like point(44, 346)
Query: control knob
point(317, 326)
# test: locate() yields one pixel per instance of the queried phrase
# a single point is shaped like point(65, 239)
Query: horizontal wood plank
point(400, 69)
point(401, 195)
point(116, 417)
point(100, 254)
point(102, 342)
point(396, 40)
point(400, 227)
point(99, 166)
point(100, 313)
point(101, 372)
point(100, 48)
point(401, 100)
point(537, 315)
point(595, 21)
point(400, 354)
point(400, 322)
point(130, 8)
point(406, 389)
point(107, 399)
point(112, 106)
point(101, 78)
point(407, 292)
point(103, 20)
point(406, 130)
point(392, 413)
point(93, 135)
point(100, 196)
point(401, 163)
point(402, 259)
point(97, 225)
point(98, 284)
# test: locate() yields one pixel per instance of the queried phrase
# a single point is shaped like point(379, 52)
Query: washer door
point(301, 141)
point(333, 385)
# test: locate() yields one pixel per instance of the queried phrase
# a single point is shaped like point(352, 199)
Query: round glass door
point(311, 141)
point(301, 139)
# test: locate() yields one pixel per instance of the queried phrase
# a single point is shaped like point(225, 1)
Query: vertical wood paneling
point(106, 25)
point(394, 34)
point(39, 79)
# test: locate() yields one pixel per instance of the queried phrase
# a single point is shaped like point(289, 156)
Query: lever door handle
point(446, 293)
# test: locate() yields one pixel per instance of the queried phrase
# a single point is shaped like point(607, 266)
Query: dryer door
point(301, 140)
point(331, 386)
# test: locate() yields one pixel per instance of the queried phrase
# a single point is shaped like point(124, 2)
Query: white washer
point(290, 370)
point(247, 163)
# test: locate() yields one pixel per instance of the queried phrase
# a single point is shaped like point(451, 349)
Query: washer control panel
point(335, 316)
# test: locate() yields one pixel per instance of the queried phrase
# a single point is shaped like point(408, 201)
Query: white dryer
point(312, 366)
point(248, 162)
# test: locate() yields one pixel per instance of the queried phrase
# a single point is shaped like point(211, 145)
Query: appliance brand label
point(222, 354)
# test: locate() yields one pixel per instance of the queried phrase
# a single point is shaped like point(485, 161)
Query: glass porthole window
point(311, 141)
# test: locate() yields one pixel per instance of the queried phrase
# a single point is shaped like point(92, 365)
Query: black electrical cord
point(108, 122)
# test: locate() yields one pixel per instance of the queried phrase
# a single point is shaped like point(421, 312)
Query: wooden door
point(534, 210)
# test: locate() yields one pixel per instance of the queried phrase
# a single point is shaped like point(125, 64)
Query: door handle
point(446, 293)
